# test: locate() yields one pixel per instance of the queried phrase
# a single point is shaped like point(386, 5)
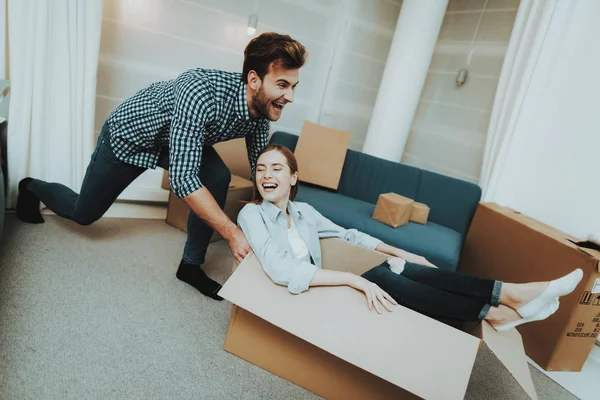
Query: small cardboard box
point(393, 209)
point(419, 213)
point(327, 341)
point(240, 190)
point(321, 153)
point(506, 245)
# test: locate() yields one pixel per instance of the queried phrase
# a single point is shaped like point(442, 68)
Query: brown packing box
point(321, 153)
point(233, 153)
point(393, 209)
point(240, 190)
point(165, 181)
point(419, 213)
point(327, 341)
point(506, 245)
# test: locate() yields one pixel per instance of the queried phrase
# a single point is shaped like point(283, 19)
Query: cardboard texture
point(321, 153)
point(235, 155)
point(327, 341)
point(165, 181)
point(240, 190)
point(419, 213)
point(393, 210)
point(506, 245)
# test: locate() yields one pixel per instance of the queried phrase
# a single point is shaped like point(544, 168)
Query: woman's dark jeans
point(438, 293)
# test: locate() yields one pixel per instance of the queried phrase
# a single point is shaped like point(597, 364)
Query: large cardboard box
point(321, 152)
point(506, 245)
point(240, 191)
point(327, 341)
point(393, 210)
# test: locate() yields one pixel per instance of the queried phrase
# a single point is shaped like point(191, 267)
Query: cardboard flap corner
point(404, 347)
point(508, 348)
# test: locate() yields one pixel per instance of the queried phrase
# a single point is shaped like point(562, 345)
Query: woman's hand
point(415, 259)
point(376, 297)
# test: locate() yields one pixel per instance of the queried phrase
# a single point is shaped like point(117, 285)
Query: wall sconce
point(461, 77)
point(252, 22)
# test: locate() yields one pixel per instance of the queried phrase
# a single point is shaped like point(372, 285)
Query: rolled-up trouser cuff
point(495, 300)
point(484, 311)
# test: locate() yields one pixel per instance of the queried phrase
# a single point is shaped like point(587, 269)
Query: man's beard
point(260, 102)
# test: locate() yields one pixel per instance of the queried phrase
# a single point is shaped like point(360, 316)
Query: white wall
point(449, 131)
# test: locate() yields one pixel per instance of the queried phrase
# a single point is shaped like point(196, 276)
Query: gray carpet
point(97, 313)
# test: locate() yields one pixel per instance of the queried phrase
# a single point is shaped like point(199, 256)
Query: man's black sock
point(193, 275)
point(28, 205)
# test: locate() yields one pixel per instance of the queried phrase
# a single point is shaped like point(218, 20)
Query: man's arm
point(194, 108)
point(204, 205)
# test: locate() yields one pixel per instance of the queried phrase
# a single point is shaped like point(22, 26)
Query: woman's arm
point(376, 297)
point(327, 228)
point(403, 254)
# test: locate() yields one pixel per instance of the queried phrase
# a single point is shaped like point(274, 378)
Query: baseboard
point(131, 210)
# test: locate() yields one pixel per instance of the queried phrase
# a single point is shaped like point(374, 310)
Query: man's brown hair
point(272, 48)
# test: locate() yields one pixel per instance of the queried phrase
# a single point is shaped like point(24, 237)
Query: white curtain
point(544, 135)
point(54, 48)
point(3, 49)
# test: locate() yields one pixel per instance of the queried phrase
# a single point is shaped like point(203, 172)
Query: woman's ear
point(294, 179)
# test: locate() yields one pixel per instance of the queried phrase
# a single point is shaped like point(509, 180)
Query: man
point(174, 124)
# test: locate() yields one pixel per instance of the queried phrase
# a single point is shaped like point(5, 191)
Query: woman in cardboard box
point(285, 235)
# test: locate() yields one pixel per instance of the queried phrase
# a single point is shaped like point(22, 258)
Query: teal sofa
point(452, 203)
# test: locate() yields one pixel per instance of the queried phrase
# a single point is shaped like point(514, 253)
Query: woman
point(285, 235)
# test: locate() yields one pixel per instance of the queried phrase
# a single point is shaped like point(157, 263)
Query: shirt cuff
point(370, 242)
point(300, 280)
point(186, 188)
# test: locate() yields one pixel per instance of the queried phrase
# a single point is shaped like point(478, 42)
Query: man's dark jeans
point(107, 176)
point(438, 293)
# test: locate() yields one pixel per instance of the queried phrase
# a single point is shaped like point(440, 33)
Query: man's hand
point(415, 259)
point(239, 245)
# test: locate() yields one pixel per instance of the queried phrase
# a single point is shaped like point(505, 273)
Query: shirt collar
point(241, 104)
point(273, 211)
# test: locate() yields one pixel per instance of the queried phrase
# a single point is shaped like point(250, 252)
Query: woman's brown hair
point(291, 162)
point(272, 48)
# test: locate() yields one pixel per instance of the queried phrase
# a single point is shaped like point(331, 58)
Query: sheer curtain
point(543, 139)
point(54, 48)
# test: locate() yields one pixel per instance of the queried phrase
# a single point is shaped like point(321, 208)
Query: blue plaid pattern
point(199, 108)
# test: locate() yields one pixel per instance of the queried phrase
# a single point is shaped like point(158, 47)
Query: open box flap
point(506, 348)
point(403, 347)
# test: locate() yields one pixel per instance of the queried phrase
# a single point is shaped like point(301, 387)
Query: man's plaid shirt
point(199, 108)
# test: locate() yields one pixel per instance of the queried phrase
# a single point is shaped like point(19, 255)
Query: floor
point(584, 385)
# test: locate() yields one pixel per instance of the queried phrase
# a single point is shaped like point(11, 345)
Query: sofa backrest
point(365, 177)
point(452, 202)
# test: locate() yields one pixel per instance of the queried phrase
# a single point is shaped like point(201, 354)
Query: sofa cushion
point(452, 202)
point(365, 177)
point(438, 244)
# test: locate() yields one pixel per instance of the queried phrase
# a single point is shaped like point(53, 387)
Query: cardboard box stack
point(327, 341)
point(506, 245)
point(395, 210)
